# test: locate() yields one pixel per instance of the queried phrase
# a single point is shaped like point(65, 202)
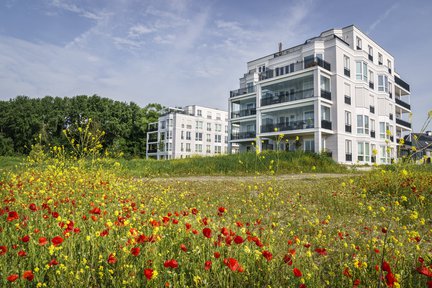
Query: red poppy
point(183, 247)
point(53, 262)
point(386, 267)
point(57, 240)
point(356, 283)
point(12, 215)
point(232, 264)
point(429, 284)
point(188, 226)
point(25, 239)
point(171, 263)
point(425, 271)
point(302, 285)
point(207, 265)
point(22, 253)
point(207, 232)
point(221, 209)
point(43, 241)
point(32, 207)
point(307, 245)
point(297, 272)
point(347, 273)
point(148, 273)
point(266, 254)
point(3, 250)
point(55, 214)
point(12, 277)
point(288, 260)
point(112, 259)
point(238, 240)
point(224, 231)
point(95, 210)
point(321, 251)
point(384, 230)
point(135, 251)
point(194, 211)
point(390, 279)
point(28, 275)
point(216, 255)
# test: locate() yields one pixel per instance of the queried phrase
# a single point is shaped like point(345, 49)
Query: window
point(371, 79)
point(372, 125)
point(382, 83)
point(199, 112)
point(383, 154)
point(208, 149)
point(347, 66)
point(218, 116)
point(325, 113)
point(182, 135)
point(162, 136)
point(188, 147)
point(181, 147)
point(209, 115)
point(199, 124)
point(170, 134)
point(169, 146)
point(347, 94)
point(309, 145)
point(363, 151)
point(362, 124)
point(208, 137)
point(218, 127)
point(208, 126)
point(325, 84)
point(198, 148)
point(348, 147)
point(198, 136)
point(163, 123)
point(218, 138)
point(382, 131)
point(380, 59)
point(188, 135)
point(359, 43)
point(218, 149)
point(348, 121)
point(361, 71)
point(370, 49)
point(226, 128)
point(389, 66)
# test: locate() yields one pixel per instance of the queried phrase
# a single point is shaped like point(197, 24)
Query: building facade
point(183, 132)
point(337, 93)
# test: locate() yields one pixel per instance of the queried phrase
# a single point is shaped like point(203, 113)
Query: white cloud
point(138, 30)
point(61, 4)
point(381, 18)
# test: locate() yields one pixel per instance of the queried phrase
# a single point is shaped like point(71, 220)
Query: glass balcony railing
point(326, 124)
point(286, 96)
point(403, 103)
point(243, 113)
point(243, 135)
point(402, 83)
point(326, 94)
point(403, 122)
point(242, 91)
point(288, 126)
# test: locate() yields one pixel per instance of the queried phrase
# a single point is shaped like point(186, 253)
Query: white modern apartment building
point(337, 93)
point(183, 132)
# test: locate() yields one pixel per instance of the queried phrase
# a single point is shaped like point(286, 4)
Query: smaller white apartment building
point(184, 132)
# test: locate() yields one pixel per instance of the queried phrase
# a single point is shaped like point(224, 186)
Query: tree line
point(24, 119)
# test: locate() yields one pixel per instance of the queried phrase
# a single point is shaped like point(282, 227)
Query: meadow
point(100, 224)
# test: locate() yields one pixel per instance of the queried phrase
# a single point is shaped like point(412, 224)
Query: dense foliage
point(23, 119)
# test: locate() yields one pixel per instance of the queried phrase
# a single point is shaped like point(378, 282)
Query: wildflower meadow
point(85, 223)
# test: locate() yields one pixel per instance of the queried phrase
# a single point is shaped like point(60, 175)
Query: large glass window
point(325, 83)
point(348, 147)
point(361, 71)
point(309, 145)
point(362, 124)
point(382, 83)
point(290, 90)
point(325, 113)
point(346, 62)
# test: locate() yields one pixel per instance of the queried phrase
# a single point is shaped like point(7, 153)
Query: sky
point(184, 52)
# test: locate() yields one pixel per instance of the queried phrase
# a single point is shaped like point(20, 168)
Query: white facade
point(336, 93)
point(192, 130)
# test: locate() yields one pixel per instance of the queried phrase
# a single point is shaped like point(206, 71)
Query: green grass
point(235, 164)
point(10, 162)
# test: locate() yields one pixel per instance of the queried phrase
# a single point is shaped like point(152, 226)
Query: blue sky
point(184, 52)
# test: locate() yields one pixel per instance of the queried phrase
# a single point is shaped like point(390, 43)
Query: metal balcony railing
point(402, 83)
point(326, 124)
point(403, 104)
point(288, 126)
point(243, 135)
point(403, 123)
point(286, 96)
point(243, 113)
point(326, 94)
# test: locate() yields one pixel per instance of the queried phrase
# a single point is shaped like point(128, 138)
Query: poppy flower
point(356, 283)
point(221, 209)
point(347, 273)
point(425, 271)
point(3, 250)
point(28, 275)
point(216, 255)
point(390, 279)
point(183, 247)
point(232, 264)
point(288, 260)
point(297, 272)
point(22, 253)
point(266, 254)
point(135, 251)
point(207, 232)
point(12, 277)
point(207, 265)
point(386, 267)
point(32, 207)
point(171, 263)
point(95, 210)
point(148, 273)
point(321, 251)
point(238, 240)
point(57, 240)
point(25, 239)
point(12, 215)
point(111, 259)
point(188, 226)
point(43, 241)
point(53, 262)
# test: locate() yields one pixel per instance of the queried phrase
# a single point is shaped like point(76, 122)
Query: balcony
point(347, 100)
point(402, 83)
point(372, 133)
point(243, 113)
point(242, 91)
point(152, 128)
point(348, 157)
point(153, 150)
point(152, 138)
point(243, 135)
point(326, 94)
point(370, 57)
point(325, 124)
point(286, 96)
point(301, 65)
point(372, 109)
point(348, 128)
point(403, 123)
point(347, 72)
point(403, 104)
point(288, 126)
point(371, 85)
